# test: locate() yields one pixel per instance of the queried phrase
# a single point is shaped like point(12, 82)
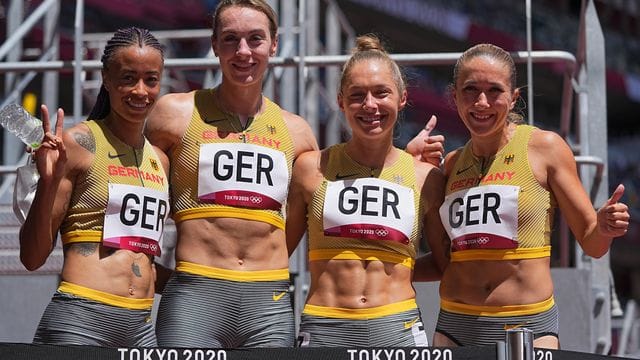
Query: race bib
point(242, 175)
point(134, 219)
point(369, 208)
point(483, 217)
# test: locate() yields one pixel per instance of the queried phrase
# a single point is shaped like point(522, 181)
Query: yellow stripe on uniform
point(229, 212)
point(496, 311)
point(500, 254)
point(360, 314)
point(233, 275)
point(79, 236)
point(361, 254)
point(105, 298)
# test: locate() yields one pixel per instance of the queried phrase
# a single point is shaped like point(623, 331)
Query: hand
point(613, 217)
point(51, 156)
point(428, 148)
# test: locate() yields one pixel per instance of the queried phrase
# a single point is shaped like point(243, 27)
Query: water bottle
point(18, 121)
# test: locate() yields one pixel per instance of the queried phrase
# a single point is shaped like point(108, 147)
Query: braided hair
point(121, 39)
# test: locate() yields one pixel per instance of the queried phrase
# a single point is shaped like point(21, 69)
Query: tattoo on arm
point(86, 141)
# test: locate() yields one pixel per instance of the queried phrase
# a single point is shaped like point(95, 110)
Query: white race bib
point(482, 217)
point(369, 208)
point(134, 218)
point(242, 175)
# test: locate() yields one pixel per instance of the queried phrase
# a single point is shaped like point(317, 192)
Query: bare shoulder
point(450, 160)
point(303, 138)
point(306, 177)
point(549, 145)
point(544, 139)
point(428, 174)
point(173, 104)
point(169, 119)
point(308, 161)
point(80, 144)
point(423, 168)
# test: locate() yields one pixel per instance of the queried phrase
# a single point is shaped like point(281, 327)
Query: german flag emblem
point(508, 159)
point(154, 164)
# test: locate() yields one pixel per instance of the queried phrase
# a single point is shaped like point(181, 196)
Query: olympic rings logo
point(382, 232)
point(255, 199)
point(483, 240)
point(153, 247)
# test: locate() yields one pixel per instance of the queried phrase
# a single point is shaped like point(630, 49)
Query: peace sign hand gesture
point(51, 156)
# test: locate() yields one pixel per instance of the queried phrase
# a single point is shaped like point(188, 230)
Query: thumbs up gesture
point(426, 147)
point(613, 216)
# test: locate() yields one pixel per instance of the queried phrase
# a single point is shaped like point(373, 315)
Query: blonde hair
point(369, 47)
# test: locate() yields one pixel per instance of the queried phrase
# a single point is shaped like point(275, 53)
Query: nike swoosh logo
point(409, 324)
point(341, 176)
point(460, 171)
point(111, 156)
point(277, 297)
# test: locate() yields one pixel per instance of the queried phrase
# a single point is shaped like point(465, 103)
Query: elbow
point(29, 263)
point(597, 254)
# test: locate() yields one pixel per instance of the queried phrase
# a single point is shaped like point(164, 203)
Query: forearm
point(594, 243)
point(426, 269)
point(162, 276)
point(38, 233)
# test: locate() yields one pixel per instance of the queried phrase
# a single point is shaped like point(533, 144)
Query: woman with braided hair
point(103, 187)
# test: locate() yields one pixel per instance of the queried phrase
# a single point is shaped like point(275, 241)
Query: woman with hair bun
point(365, 204)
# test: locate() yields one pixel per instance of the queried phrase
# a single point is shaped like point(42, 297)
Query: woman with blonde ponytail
point(365, 204)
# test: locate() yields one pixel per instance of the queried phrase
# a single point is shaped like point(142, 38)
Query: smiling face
point(243, 43)
point(484, 95)
point(132, 79)
point(370, 98)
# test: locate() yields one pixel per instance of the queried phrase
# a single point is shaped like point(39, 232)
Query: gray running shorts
point(199, 311)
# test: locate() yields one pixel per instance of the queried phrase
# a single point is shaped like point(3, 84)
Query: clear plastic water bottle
point(18, 121)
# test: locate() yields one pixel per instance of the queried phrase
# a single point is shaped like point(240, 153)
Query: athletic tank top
point(497, 210)
point(221, 170)
point(360, 214)
point(126, 189)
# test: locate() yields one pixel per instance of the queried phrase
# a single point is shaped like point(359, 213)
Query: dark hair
point(493, 52)
point(369, 47)
point(121, 39)
point(259, 5)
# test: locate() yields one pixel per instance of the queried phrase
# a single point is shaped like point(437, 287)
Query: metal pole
point(51, 42)
point(77, 67)
point(529, 64)
point(22, 30)
point(300, 288)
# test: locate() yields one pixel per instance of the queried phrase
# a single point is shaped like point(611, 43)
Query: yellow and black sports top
point(114, 163)
point(222, 170)
point(495, 209)
point(362, 214)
